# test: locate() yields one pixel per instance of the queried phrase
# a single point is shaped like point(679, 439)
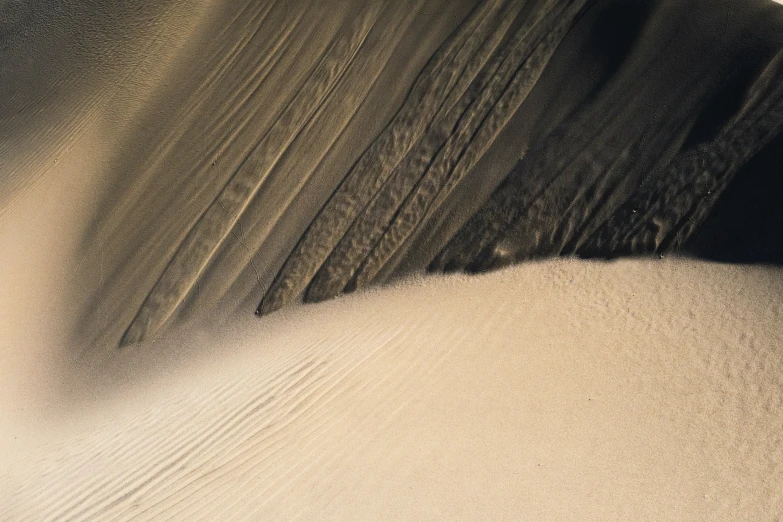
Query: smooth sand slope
point(550, 391)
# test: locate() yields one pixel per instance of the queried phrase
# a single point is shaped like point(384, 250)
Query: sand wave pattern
point(386, 404)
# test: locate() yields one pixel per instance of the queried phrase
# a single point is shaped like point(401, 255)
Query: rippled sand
point(565, 389)
point(168, 168)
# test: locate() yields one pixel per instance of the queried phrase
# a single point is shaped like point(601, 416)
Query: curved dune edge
point(647, 389)
point(254, 154)
point(551, 390)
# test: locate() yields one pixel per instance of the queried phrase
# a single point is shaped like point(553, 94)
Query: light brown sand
point(560, 390)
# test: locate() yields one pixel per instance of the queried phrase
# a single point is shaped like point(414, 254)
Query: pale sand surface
point(559, 390)
point(648, 389)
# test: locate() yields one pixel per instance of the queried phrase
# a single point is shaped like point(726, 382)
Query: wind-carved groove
point(531, 178)
point(215, 224)
point(500, 100)
point(320, 139)
point(368, 174)
point(559, 195)
point(370, 224)
point(359, 229)
point(662, 215)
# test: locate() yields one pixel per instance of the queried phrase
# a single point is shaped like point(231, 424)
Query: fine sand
point(550, 391)
point(165, 165)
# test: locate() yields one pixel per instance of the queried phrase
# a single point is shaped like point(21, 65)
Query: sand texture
point(562, 217)
point(268, 153)
point(647, 390)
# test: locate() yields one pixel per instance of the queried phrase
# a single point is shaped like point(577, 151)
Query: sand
point(644, 388)
point(560, 390)
point(252, 155)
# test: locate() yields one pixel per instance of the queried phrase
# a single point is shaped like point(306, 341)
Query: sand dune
point(169, 168)
point(264, 153)
point(644, 390)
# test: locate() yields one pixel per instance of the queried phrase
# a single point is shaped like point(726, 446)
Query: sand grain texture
point(167, 168)
point(633, 389)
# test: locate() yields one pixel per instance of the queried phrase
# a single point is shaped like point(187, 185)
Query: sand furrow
point(474, 137)
point(663, 214)
point(376, 164)
point(531, 178)
point(368, 226)
point(321, 138)
point(460, 121)
point(207, 234)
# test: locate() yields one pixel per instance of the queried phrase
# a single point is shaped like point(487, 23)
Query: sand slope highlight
point(176, 164)
point(644, 390)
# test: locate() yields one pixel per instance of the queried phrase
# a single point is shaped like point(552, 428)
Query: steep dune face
point(279, 94)
point(277, 191)
point(66, 65)
point(279, 151)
